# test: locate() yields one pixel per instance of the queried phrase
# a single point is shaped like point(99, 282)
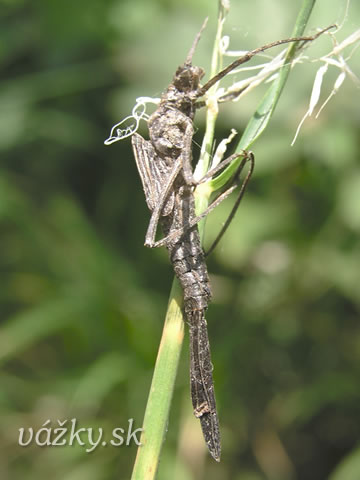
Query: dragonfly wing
point(153, 172)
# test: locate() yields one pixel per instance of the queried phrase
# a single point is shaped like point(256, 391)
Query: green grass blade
point(264, 111)
point(261, 117)
point(161, 391)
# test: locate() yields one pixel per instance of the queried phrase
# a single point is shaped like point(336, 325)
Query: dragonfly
point(164, 163)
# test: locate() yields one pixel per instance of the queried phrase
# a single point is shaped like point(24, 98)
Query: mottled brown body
point(165, 168)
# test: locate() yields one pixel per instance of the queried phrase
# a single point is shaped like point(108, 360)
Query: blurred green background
point(82, 301)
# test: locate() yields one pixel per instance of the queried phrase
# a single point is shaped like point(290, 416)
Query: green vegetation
point(82, 301)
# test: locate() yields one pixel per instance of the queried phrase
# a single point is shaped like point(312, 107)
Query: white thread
point(121, 130)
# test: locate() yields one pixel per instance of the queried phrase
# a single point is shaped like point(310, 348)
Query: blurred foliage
point(82, 301)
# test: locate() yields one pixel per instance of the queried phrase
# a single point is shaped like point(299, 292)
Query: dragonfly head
point(187, 78)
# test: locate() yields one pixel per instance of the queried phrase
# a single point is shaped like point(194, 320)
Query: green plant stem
point(202, 192)
point(161, 390)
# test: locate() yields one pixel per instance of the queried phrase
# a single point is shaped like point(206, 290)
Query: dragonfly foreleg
point(155, 216)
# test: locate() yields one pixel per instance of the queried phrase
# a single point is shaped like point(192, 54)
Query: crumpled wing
point(153, 172)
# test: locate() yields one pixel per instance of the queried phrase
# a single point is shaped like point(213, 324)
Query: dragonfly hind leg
point(235, 182)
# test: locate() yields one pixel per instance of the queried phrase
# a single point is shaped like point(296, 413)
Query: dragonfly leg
point(186, 155)
point(226, 161)
point(154, 220)
point(185, 165)
point(238, 200)
point(234, 185)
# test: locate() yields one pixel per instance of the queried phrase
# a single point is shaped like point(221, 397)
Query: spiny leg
point(226, 161)
point(218, 200)
point(183, 163)
point(186, 154)
point(245, 58)
point(157, 179)
point(154, 220)
point(236, 205)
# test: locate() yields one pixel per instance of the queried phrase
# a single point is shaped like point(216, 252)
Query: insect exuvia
point(164, 164)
